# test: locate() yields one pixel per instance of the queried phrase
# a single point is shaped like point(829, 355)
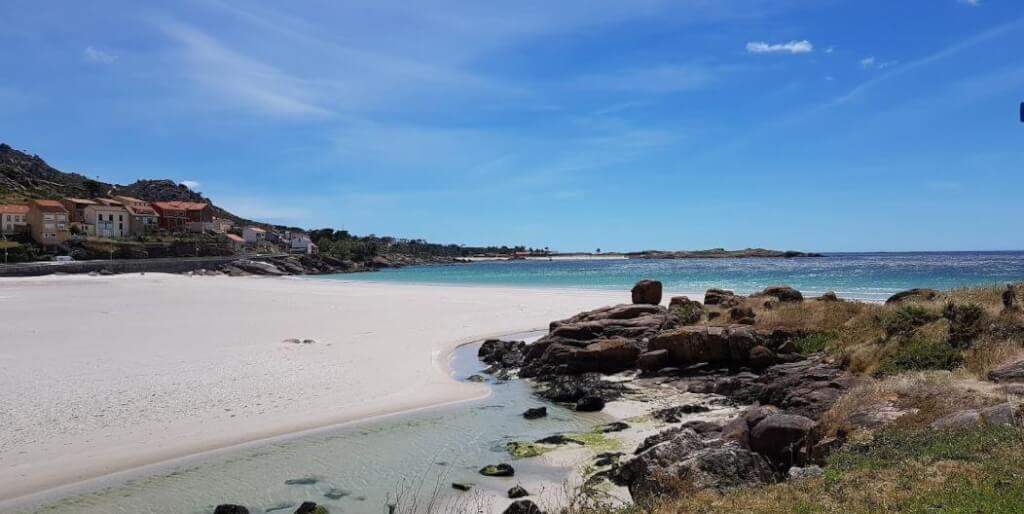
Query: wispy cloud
point(872, 62)
point(241, 79)
point(191, 184)
point(97, 56)
point(656, 79)
point(867, 62)
point(793, 47)
point(940, 55)
point(972, 3)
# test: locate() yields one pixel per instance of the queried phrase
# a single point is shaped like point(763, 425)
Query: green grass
point(814, 343)
point(889, 448)
point(904, 320)
point(921, 354)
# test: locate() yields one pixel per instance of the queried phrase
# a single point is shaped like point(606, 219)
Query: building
point(48, 222)
point(181, 216)
point(222, 225)
point(76, 208)
point(253, 235)
point(108, 220)
point(13, 219)
point(300, 243)
point(237, 242)
point(143, 218)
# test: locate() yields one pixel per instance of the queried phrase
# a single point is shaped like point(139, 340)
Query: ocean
point(862, 276)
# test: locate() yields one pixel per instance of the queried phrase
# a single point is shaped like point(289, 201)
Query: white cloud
point(95, 55)
point(830, 49)
point(871, 62)
point(793, 47)
point(191, 184)
point(972, 3)
point(867, 62)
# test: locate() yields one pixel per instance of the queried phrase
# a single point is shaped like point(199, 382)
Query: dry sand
point(103, 374)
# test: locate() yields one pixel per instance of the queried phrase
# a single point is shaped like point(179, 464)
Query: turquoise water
point(866, 276)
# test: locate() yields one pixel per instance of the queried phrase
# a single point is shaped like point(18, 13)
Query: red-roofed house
point(185, 216)
point(13, 218)
point(48, 222)
point(237, 242)
point(76, 208)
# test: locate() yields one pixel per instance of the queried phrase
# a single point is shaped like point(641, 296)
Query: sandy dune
point(102, 374)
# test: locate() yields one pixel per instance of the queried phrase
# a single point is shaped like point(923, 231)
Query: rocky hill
point(24, 176)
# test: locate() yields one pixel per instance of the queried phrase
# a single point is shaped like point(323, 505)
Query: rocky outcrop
point(1011, 372)
point(721, 297)
point(807, 387)
point(536, 413)
point(1001, 414)
point(647, 292)
point(590, 404)
point(683, 462)
point(498, 470)
point(570, 388)
point(502, 354)
point(733, 344)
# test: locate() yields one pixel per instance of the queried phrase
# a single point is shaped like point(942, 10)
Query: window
point(48, 226)
point(120, 217)
point(120, 226)
point(48, 217)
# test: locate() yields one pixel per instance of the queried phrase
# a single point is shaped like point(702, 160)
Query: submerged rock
point(536, 413)
point(461, 486)
point(311, 508)
point(518, 492)
point(228, 508)
point(498, 470)
point(589, 404)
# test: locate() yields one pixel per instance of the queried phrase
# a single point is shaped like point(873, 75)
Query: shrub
point(965, 323)
point(904, 320)
point(688, 313)
point(919, 354)
point(814, 343)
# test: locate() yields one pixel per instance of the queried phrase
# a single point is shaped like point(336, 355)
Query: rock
point(606, 356)
point(737, 430)
point(536, 413)
point(807, 387)
point(761, 357)
point(311, 508)
point(558, 440)
point(292, 341)
point(589, 404)
point(607, 458)
point(958, 421)
point(798, 473)
point(785, 294)
point(518, 492)
point(647, 292)
point(723, 297)
point(673, 414)
point(686, 464)
point(475, 378)
point(228, 508)
point(702, 427)
point(693, 344)
point(829, 296)
point(686, 310)
point(1012, 372)
point(782, 438)
point(507, 354)
point(914, 295)
point(257, 267)
point(653, 360)
point(742, 315)
point(570, 388)
point(523, 507)
point(461, 486)
point(498, 470)
point(615, 426)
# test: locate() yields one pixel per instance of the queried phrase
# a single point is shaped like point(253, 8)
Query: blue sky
point(817, 125)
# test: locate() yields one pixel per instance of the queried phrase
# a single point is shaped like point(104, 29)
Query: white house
point(301, 243)
point(254, 235)
point(111, 221)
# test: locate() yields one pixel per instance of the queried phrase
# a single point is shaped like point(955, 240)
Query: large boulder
point(782, 438)
point(723, 297)
point(1011, 372)
point(686, 463)
point(506, 354)
point(647, 292)
point(687, 311)
point(761, 357)
point(653, 360)
point(498, 470)
point(590, 404)
point(1001, 414)
point(257, 267)
point(914, 295)
point(784, 294)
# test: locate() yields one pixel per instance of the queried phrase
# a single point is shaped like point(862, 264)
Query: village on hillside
point(53, 223)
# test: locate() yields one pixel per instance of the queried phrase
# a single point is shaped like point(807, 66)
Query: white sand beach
point(103, 374)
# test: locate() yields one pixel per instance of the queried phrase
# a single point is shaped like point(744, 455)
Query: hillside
point(24, 176)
